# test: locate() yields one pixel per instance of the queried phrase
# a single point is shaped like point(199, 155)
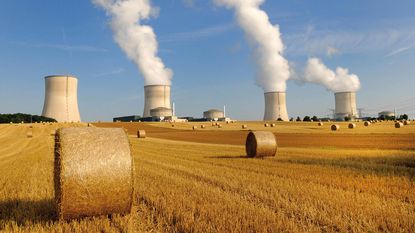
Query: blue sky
point(209, 55)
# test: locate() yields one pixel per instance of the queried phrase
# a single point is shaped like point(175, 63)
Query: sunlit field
point(352, 180)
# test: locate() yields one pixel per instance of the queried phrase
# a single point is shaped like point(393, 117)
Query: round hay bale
point(141, 134)
point(406, 122)
point(172, 125)
point(272, 125)
point(29, 134)
point(202, 126)
point(261, 144)
point(90, 125)
point(335, 127)
point(219, 126)
point(30, 126)
point(352, 126)
point(194, 127)
point(367, 123)
point(398, 125)
point(266, 125)
point(93, 172)
point(244, 126)
point(320, 124)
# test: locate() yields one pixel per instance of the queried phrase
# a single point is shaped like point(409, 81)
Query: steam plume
point(273, 69)
point(339, 81)
point(138, 41)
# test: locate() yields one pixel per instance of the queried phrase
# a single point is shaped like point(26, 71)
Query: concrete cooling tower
point(156, 96)
point(345, 106)
point(275, 106)
point(61, 98)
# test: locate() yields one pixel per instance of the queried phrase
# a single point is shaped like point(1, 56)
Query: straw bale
point(266, 125)
point(202, 126)
point(219, 126)
point(367, 123)
point(335, 127)
point(272, 125)
point(244, 126)
point(194, 127)
point(320, 124)
point(407, 122)
point(141, 134)
point(93, 172)
point(29, 134)
point(352, 126)
point(261, 144)
point(398, 125)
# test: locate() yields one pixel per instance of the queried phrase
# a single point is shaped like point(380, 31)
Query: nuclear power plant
point(345, 106)
point(275, 106)
point(61, 98)
point(157, 96)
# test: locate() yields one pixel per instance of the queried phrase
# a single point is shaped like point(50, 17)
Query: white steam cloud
point(138, 41)
point(273, 69)
point(339, 81)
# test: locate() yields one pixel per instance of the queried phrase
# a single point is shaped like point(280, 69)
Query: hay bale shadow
point(26, 212)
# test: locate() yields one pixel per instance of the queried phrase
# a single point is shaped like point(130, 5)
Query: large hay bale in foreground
point(141, 134)
point(367, 123)
point(335, 127)
point(261, 144)
point(398, 125)
point(93, 172)
point(352, 126)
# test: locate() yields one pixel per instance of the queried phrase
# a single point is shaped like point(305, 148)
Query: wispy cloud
point(110, 73)
point(197, 34)
point(189, 3)
point(64, 47)
point(398, 51)
point(331, 51)
point(315, 42)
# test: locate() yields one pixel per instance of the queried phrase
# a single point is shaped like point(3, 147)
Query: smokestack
point(275, 106)
point(156, 96)
point(61, 98)
point(345, 105)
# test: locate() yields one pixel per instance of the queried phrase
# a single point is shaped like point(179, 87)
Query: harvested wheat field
point(351, 180)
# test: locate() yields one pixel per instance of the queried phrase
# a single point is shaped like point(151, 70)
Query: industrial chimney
point(345, 106)
point(275, 106)
point(156, 96)
point(61, 98)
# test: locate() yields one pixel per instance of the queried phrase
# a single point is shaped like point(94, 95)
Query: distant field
point(360, 180)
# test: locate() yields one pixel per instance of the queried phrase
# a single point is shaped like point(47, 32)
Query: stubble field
point(359, 180)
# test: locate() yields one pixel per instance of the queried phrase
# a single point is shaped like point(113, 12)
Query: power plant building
point(345, 106)
point(213, 115)
point(156, 96)
point(275, 106)
point(61, 98)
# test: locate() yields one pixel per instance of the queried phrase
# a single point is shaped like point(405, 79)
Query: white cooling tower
point(275, 106)
point(156, 96)
point(61, 98)
point(345, 106)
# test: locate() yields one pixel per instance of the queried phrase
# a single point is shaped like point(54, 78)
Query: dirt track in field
point(381, 141)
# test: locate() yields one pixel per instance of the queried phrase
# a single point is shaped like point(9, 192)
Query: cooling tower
point(61, 98)
point(156, 96)
point(275, 106)
point(345, 105)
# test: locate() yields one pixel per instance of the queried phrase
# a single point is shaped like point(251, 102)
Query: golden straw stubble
point(93, 172)
point(261, 144)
